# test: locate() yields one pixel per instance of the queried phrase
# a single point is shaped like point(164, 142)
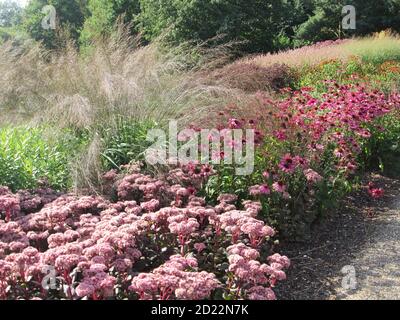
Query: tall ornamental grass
point(378, 48)
point(114, 79)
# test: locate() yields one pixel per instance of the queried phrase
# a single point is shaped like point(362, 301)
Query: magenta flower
point(279, 187)
point(264, 189)
point(287, 164)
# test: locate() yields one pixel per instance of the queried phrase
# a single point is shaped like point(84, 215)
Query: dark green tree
point(371, 16)
point(104, 13)
point(70, 16)
point(256, 23)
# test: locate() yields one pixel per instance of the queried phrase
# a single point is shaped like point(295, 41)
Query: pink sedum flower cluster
point(251, 276)
point(177, 278)
point(157, 241)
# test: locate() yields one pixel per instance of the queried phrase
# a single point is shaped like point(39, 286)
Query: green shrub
point(28, 155)
point(382, 151)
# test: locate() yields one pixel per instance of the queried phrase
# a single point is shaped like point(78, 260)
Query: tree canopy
point(70, 16)
point(258, 25)
point(10, 14)
point(104, 13)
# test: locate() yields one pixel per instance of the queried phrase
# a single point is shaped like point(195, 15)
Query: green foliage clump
point(14, 34)
point(125, 142)
point(28, 155)
point(382, 151)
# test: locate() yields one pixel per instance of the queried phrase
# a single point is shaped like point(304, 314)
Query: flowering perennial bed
point(158, 238)
point(310, 146)
point(158, 241)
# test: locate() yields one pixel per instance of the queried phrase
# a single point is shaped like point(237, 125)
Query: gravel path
point(377, 265)
point(353, 256)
